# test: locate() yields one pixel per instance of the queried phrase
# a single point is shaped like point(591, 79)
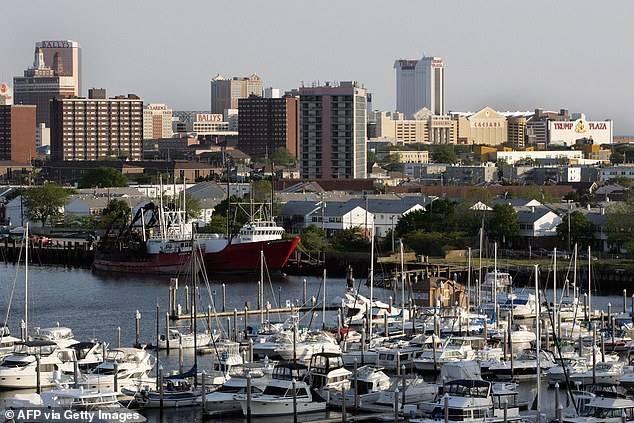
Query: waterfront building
point(41, 84)
point(225, 93)
point(17, 133)
point(157, 121)
point(420, 84)
point(96, 128)
point(333, 131)
point(266, 124)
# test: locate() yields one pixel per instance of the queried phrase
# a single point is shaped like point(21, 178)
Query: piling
point(137, 318)
point(115, 370)
point(167, 335)
point(249, 394)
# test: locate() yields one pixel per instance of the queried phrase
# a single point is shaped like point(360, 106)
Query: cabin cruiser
point(177, 391)
point(312, 343)
point(473, 400)
point(130, 365)
point(278, 398)
point(222, 400)
point(61, 335)
point(327, 373)
point(524, 366)
point(175, 339)
point(226, 354)
point(19, 369)
point(392, 357)
point(607, 407)
point(366, 384)
point(454, 349)
point(6, 341)
point(606, 373)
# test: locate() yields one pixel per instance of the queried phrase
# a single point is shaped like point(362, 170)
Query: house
point(388, 211)
point(333, 216)
point(538, 226)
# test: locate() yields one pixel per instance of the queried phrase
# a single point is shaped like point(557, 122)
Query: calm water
point(94, 305)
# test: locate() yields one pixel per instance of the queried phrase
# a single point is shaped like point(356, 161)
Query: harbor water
point(94, 306)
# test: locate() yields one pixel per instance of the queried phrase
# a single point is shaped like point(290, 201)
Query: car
point(561, 254)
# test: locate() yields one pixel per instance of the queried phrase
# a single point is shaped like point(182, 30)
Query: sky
point(509, 55)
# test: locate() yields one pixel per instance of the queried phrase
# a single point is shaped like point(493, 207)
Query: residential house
point(537, 226)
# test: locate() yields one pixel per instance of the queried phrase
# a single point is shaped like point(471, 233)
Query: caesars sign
point(208, 117)
point(567, 133)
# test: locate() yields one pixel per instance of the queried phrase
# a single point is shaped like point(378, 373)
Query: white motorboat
point(397, 355)
point(175, 339)
point(454, 349)
point(61, 335)
point(133, 366)
point(606, 373)
point(19, 369)
point(90, 405)
point(327, 373)
point(604, 408)
point(367, 384)
point(562, 373)
point(312, 343)
point(6, 341)
point(278, 396)
point(223, 401)
point(177, 391)
point(226, 355)
point(475, 401)
point(524, 366)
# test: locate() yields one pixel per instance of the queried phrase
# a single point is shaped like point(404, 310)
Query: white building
point(419, 84)
point(537, 222)
point(567, 133)
point(512, 157)
point(611, 172)
point(157, 121)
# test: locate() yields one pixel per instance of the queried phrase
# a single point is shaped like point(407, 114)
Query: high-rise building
point(157, 121)
point(97, 127)
point(419, 84)
point(332, 131)
point(225, 93)
point(64, 57)
point(266, 124)
point(40, 84)
point(17, 133)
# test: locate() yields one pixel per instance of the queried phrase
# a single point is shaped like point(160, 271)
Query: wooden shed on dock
point(433, 291)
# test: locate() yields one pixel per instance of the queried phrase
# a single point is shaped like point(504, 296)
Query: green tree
point(261, 191)
point(438, 216)
point(352, 239)
point(433, 243)
point(624, 181)
point(115, 214)
point(217, 225)
point(445, 154)
point(313, 240)
point(620, 226)
point(280, 157)
point(105, 177)
point(581, 229)
point(503, 224)
point(391, 162)
point(44, 203)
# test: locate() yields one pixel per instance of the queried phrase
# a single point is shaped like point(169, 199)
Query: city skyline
point(509, 57)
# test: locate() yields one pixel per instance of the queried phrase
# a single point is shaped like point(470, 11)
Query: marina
point(127, 310)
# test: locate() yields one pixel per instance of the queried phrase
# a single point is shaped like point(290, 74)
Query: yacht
point(312, 343)
point(475, 401)
point(61, 335)
point(95, 406)
point(524, 366)
point(223, 401)
point(455, 349)
point(177, 392)
point(606, 407)
point(176, 339)
point(278, 398)
point(327, 373)
point(19, 369)
point(366, 384)
point(133, 366)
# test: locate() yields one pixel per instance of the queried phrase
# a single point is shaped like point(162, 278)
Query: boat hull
point(162, 263)
point(245, 257)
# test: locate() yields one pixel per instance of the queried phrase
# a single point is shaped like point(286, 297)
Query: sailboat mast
point(26, 284)
point(555, 286)
point(537, 341)
point(589, 284)
point(193, 294)
point(400, 241)
point(371, 280)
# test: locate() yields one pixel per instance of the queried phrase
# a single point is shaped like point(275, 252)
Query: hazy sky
point(509, 55)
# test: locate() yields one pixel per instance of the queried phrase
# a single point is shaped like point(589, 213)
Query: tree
point(116, 213)
point(45, 202)
point(313, 240)
point(581, 229)
point(352, 239)
point(503, 224)
point(105, 177)
point(261, 191)
point(433, 243)
point(444, 154)
point(620, 226)
point(217, 225)
point(624, 181)
point(391, 162)
point(280, 157)
point(439, 216)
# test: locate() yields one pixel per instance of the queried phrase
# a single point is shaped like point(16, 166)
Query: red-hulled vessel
point(242, 252)
point(162, 245)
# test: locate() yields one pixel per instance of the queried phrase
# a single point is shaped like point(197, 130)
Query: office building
point(332, 131)
point(266, 124)
point(225, 93)
point(17, 133)
point(40, 84)
point(420, 84)
point(97, 128)
point(157, 121)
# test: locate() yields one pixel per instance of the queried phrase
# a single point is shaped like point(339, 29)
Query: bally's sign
point(54, 44)
point(567, 133)
point(208, 117)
